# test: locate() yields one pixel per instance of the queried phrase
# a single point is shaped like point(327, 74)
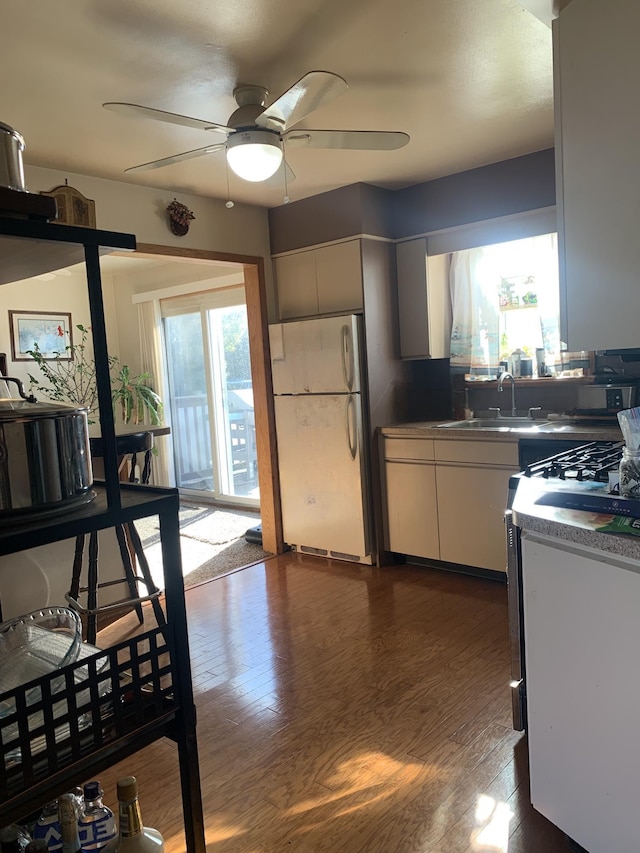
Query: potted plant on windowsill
point(70, 377)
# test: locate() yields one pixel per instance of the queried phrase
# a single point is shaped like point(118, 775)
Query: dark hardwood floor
point(348, 709)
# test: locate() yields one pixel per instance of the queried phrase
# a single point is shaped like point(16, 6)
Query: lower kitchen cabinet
point(445, 500)
point(412, 508)
point(471, 504)
point(411, 503)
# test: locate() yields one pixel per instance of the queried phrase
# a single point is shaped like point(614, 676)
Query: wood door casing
point(256, 300)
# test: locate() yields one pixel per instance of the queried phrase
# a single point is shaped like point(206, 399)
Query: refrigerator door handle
point(348, 365)
point(352, 427)
point(276, 343)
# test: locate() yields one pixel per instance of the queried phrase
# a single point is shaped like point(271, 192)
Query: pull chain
point(229, 204)
point(286, 188)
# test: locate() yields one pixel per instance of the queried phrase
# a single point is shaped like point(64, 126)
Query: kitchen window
point(505, 297)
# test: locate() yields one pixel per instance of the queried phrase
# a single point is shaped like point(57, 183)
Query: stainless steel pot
point(11, 148)
point(45, 463)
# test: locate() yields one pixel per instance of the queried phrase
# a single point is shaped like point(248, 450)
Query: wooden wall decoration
point(73, 207)
point(179, 217)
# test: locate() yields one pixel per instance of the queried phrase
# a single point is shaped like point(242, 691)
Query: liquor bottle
point(48, 828)
point(97, 825)
point(10, 839)
point(133, 836)
point(68, 819)
point(37, 845)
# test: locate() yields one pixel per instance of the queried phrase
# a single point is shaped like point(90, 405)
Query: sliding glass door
point(211, 396)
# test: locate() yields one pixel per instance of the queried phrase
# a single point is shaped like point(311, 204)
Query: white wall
point(63, 293)
point(132, 209)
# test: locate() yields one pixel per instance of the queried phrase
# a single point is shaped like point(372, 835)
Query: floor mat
point(211, 542)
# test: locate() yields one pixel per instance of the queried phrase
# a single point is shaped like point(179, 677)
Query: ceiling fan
point(256, 135)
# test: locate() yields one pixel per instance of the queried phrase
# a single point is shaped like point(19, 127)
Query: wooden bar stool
point(128, 542)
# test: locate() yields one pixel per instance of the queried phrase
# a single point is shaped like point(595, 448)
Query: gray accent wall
point(499, 190)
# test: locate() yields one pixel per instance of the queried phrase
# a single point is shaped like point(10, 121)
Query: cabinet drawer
point(480, 452)
point(416, 449)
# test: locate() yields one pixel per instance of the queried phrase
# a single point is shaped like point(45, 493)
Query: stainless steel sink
point(505, 424)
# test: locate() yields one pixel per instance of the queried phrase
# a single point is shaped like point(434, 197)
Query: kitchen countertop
point(571, 430)
point(569, 525)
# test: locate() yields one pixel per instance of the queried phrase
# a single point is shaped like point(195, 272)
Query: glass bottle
point(68, 818)
point(630, 473)
point(48, 828)
point(97, 825)
point(133, 836)
point(37, 845)
point(10, 839)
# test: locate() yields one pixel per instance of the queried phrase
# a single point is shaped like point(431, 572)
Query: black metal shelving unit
point(79, 720)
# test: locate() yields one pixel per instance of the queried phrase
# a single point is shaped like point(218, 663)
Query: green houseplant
point(70, 377)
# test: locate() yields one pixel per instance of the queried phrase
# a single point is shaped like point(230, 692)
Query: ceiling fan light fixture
point(254, 155)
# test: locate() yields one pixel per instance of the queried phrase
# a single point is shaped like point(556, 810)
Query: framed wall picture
point(50, 330)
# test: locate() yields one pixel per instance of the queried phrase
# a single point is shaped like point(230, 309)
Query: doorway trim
point(257, 318)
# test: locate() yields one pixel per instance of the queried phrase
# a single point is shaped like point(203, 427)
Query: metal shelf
point(89, 711)
point(32, 530)
point(89, 717)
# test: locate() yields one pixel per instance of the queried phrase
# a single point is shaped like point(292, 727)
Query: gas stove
point(592, 462)
point(584, 478)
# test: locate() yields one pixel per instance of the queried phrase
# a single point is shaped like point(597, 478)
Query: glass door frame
point(204, 303)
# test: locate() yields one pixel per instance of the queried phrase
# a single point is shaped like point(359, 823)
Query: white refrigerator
point(322, 452)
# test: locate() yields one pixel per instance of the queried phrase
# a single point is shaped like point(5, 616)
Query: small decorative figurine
point(179, 218)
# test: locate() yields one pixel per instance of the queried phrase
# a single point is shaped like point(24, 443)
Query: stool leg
point(146, 572)
point(74, 592)
point(132, 472)
point(128, 569)
point(146, 470)
point(92, 588)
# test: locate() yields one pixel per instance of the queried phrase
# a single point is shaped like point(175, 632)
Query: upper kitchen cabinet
point(323, 280)
point(424, 304)
point(597, 67)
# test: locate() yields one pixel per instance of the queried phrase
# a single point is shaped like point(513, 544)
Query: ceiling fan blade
point(310, 92)
point(136, 111)
point(358, 140)
point(177, 158)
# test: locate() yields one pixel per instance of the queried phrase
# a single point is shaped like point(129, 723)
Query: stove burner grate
point(590, 462)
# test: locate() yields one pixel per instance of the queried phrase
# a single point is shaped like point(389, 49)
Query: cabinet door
point(296, 286)
point(424, 304)
point(471, 504)
point(412, 512)
point(597, 68)
point(339, 277)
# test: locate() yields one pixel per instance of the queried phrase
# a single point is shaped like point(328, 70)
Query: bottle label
point(95, 833)
point(52, 834)
point(129, 820)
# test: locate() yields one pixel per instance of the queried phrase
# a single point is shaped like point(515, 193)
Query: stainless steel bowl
point(11, 168)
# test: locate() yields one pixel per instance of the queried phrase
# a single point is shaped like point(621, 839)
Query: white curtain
point(474, 282)
point(151, 349)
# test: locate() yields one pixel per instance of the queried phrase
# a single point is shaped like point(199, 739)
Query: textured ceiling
point(469, 80)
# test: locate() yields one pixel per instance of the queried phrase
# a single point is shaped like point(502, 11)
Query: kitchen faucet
point(501, 380)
